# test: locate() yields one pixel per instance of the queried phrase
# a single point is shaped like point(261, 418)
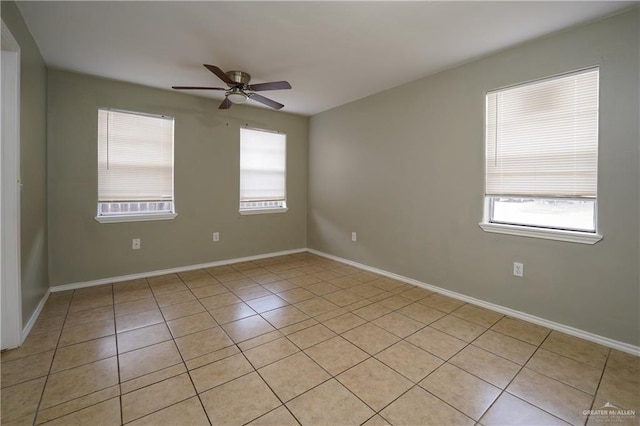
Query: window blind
point(135, 157)
point(542, 138)
point(262, 166)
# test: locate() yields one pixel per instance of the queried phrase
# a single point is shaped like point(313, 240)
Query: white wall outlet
point(135, 244)
point(354, 236)
point(518, 269)
point(216, 236)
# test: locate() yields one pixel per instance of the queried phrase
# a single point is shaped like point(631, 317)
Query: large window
point(542, 155)
point(135, 166)
point(263, 166)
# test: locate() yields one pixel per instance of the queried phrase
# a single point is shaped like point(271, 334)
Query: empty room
point(320, 213)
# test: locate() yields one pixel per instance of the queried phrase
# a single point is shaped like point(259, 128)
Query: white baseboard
point(601, 340)
point(74, 286)
point(34, 317)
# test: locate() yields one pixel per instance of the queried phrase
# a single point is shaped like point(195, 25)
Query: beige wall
point(404, 169)
point(206, 183)
point(33, 163)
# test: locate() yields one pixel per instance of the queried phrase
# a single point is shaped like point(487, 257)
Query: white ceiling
point(331, 52)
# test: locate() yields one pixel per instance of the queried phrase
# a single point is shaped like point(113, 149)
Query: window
point(542, 158)
point(135, 166)
point(263, 166)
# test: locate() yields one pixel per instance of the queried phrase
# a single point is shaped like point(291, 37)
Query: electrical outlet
point(354, 236)
point(216, 236)
point(518, 269)
point(135, 244)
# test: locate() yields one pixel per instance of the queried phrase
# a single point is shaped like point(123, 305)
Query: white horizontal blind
point(135, 157)
point(262, 168)
point(542, 138)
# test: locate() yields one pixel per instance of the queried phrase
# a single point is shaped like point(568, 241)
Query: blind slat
point(262, 166)
point(542, 138)
point(135, 157)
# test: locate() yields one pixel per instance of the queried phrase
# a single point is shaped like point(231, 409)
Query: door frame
point(10, 284)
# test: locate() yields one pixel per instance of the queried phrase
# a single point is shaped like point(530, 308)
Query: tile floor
point(301, 340)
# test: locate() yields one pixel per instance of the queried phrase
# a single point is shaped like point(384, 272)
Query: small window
point(135, 166)
point(542, 154)
point(263, 165)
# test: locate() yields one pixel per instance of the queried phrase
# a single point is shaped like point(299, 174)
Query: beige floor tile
point(441, 303)
point(280, 286)
point(607, 413)
point(203, 281)
point(211, 357)
point(336, 355)
point(409, 360)
point(438, 343)
point(141, 337)
point(370, 338)
point(21, 400)
point(565, 370)
point(164, 279)
point(151, 378)
point(84, 353)
point(507, 347)
point(278, 417)
point(525, 331)
point(193, 274)
point(311, 336)
point(239, 401)
point(191, 324)
point(622, 391)
point(398, 324)
point(576, 349)
point(305, 280)
point(185, 413)
point(345, 282)
point(269, 352)
point(219, 372)
point(342, 298)
point(209, 290)
point(71, 406)
point(421, 313)
point(203, 342)
point(316, 306)
point(512, 411)
point(86, 303)
point(266, 303)
point(76, 382)
point(374, 383)
point(489, 367)
point(266, 278)
point(252, 292)
point(552, 396)
point(366, 290)
point(419, 407)
point(247, 328)
point(239, 283)
point(344, 322)
point(135, 307)
point(457, 327)
point(260, 340)
point(477, 315)
point(396, 302)
point(139, 320)
point(32, 345)
point(373, 311)
point(52, 308)
point(105, 413)
point(293, 375)
point(330, 314)
point(228, 276)
point(26, 368)
point(170, 287)
point(461, 390)
point(283, 317)
point(89, 331)
point(83, 317)
point(376, 421)
point(329, 404)
point(232, 313)
point(152, 398)
point(364, 276)
point(323, 288)
point(290, 329)
point(148, 359)
point(132, 294)
point(380, 297)
point(179, 310)
point(219, 300)
point(416, 293)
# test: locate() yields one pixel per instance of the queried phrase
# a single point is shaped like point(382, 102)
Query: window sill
point(136, 218)
point(263, 211)
point(548, 234)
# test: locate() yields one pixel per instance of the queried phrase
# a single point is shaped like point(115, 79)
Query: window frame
point(142, 216)
point(488, 225)
point(270, 210)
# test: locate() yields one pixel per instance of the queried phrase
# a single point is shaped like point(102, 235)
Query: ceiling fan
point(239, 90)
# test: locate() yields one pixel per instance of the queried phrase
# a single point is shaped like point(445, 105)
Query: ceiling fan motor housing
point(239, 77)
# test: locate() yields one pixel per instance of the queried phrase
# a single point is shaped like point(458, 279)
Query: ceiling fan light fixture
point(237, 97)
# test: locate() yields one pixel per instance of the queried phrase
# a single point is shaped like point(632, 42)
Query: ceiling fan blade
point(266, 101)
point(274, 85)
point(196, 88)
point(221, 75)
point(226, 104)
